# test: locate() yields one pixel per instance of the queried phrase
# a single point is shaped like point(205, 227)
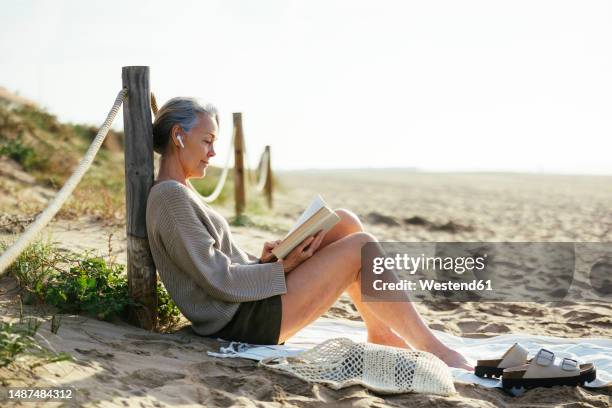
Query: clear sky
point(437, 85)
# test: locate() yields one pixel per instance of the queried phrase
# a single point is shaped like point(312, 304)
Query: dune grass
point(81, 283)
point(19, 339)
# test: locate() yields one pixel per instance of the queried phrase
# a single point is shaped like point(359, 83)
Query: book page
point(315, 205)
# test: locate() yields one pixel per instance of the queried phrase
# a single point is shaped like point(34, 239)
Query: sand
point(120, 365)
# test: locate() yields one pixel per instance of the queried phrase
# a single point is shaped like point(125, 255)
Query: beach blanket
point(595, 350)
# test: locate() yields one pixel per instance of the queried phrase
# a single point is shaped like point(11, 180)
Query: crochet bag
point(341, 363)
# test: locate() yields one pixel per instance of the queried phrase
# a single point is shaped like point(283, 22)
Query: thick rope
point(263, 172)
point(154, 104)
point(12, 253)
point(249, 173)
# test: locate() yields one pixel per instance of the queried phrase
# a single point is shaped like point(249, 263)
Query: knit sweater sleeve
point(252, 258)
point(191, 247)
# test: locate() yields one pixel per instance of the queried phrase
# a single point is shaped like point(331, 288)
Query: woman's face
point(199, 147)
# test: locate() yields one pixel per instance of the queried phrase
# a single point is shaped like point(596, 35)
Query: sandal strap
point(543, 366)
point(544, 358)
point(514, 356)
point(569, 364)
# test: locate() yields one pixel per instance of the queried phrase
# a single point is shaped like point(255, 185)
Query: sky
point(436, 85)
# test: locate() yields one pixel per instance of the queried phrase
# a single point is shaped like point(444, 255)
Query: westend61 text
point(430, 284)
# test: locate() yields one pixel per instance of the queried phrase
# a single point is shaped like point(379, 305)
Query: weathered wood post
point(269, 186)
point(137, 124)
point(239, 181)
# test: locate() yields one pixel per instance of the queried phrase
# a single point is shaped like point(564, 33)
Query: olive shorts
point(256, 322)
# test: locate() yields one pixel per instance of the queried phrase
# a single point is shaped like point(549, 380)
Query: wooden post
point(268, 187)
point(239, 184)
point(137, 125)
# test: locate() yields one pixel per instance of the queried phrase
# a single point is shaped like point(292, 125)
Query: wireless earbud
point(180, 140)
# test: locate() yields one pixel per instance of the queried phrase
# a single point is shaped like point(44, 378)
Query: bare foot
point(453, 359)
point(388, 338)
point(449, 356)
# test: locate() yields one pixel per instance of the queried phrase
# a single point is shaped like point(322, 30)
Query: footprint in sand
point(256, 387)
point(155, 346)
point(246, 378)
point(441, 305)
point(469, 326)
point(95, 353)
point(184, 339)
point(525, 311)
point(496, 328)
point(151, 377)
point(147, 348)
point(581, 316)
point(605, 322)
point(220, 367)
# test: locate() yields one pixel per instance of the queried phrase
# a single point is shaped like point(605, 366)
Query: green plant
point(81, 283)
point(56, 322)
point(168, 314)
point(72, 282)
point(92, 287)
point(23, 154)
point(18, 338)
point(34, 267)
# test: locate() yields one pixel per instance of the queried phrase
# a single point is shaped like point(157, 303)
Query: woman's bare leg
point(314, 286)
point(378, 331)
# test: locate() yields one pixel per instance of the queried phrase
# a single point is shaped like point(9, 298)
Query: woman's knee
point(355, 243)
point(361, 238)
point(349, 221)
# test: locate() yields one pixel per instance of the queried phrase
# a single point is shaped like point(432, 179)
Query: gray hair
point(180, 111)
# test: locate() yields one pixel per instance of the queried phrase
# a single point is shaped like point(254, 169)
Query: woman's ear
point(177, 139)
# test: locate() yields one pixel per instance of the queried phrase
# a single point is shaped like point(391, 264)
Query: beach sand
point(120, 365)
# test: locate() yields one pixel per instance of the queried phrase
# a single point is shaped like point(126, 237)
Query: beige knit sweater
point(201, 266)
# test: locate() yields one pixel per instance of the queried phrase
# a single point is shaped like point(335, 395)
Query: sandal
point(514, 356)
point(543, 372)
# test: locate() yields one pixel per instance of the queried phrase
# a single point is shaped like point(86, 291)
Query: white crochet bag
point(341, 363)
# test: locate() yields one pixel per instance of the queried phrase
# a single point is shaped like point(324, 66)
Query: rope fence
point(138, 104)
point(12, 253)
point(262, 168)
point(219, 187)
point(263, 171)
point(42, 220)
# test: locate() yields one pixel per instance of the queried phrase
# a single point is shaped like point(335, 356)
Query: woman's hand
point(266, 253)
point(302, 252)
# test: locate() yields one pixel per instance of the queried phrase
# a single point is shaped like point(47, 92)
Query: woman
point(226, 292)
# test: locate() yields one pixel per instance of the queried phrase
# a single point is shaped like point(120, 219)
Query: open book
point(318, 216)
